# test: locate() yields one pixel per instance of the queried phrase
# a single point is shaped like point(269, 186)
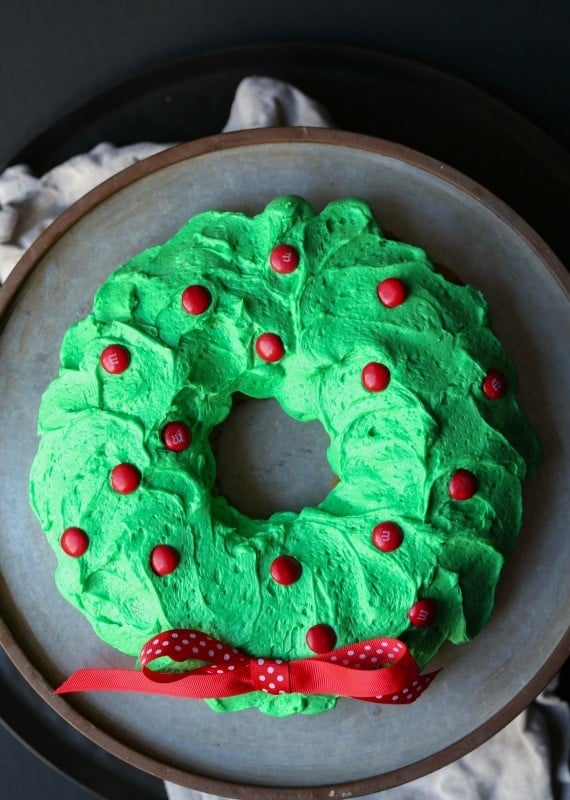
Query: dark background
point(55, 56)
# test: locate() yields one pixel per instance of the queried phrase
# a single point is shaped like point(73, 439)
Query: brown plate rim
point(8, 293)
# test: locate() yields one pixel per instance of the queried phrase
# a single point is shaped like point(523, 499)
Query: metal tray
point(352, 749)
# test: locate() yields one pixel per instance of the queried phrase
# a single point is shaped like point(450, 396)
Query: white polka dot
point(227, 657)
point(261, 661)
point(211, 653)
point(272, 686)
point(280, 678)
point(350, 653)
point(262, 677)
point(271, 670)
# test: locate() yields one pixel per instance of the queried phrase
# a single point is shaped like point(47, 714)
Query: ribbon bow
point(377, 670)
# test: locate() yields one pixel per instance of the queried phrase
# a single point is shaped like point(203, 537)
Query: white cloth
point(527, 759)
point(265, 103)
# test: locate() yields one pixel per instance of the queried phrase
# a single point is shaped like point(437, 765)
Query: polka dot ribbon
point(377, 671)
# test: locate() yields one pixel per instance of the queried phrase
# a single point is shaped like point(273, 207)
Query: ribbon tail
point(398, 683)
point(196, 685)
point(408, 694)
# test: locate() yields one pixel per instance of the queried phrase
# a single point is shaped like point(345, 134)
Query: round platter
point(355, 749)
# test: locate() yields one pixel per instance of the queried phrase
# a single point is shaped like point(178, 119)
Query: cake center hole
point(268, 462)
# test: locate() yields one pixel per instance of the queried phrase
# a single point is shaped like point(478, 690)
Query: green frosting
point(394, 451)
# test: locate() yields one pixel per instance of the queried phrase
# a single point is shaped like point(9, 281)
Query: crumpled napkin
point(29, 204)
point(529, 757)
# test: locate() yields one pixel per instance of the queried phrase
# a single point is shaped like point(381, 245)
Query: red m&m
point(375, 377)
point(463, 485)
point(495, 384)
point(125, 478)
point(74, 542)
point(422, 613)
point(176, 436)
point(164, 559)
point(392, 292)
point(321, 638)
point(196, 299)
point(115, 359)
point(285, 570)
point(284, 259)
point(387, 536)
point(269, 347)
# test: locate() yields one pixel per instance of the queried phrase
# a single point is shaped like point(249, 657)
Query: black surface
point(364, 91)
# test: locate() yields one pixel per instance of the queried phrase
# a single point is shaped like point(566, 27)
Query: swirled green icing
point(393, 451)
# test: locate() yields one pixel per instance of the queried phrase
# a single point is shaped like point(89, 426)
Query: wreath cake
point(339, 324)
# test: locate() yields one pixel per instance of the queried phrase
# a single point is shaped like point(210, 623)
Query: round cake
point(339, 324)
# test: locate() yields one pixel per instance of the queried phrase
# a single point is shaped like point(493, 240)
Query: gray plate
point(484, 683)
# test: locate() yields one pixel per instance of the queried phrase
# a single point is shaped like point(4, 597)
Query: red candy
point(176, 436)
point(196, 299)
point(495, 385)
point(269, 347)
point(74, 542)
point(125, 478)
point(321, 638)
point(375, 377)
point(422, 613)
point(392, 292)
point(463, 485)
point(284, 259)
point(285, 570)
point(164, 559)
point(387, 536)
point(115, 359)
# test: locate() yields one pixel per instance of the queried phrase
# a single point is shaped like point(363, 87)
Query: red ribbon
point(377, 670)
